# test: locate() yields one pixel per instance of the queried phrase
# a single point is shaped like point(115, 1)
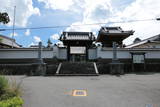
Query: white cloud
point(37, 39)
point(97, 11)
point(27, 33)
point(55, 37)
point(78, 26)
point(94, 12)
point(140, 9)
point(24, 9)
point(101, 11)
point(15, 34)
point(58, 4)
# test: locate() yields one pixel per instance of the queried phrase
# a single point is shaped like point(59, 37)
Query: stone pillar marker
point(115, 66)
point(39, 68)
point(114, 59)
point(40, 60)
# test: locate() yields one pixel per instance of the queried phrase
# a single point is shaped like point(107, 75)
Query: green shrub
point(7, 95)
point(4, 84)
point(12, 102)
point(8, 89)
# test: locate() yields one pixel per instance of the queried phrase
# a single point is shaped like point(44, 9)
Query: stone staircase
point(77, 68)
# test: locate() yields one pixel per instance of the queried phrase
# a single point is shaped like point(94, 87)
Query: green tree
point(4, 18)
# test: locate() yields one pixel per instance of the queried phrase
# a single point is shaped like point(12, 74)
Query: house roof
point(107, 33)
point(7, 37)
point(153, 39)
point(7, 41)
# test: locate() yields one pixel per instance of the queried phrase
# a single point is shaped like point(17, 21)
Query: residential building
point(7, 42)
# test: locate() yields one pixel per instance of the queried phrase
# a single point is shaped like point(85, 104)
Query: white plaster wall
point(18, 54)
point(47, 54)
point(104, 54)
point(152, 54)
point(125, 54)
point(92, 54)
point(55, 51)
point(24, 54)
point(62, 53)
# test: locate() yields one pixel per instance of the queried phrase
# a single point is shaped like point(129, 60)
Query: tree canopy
point(4, 18)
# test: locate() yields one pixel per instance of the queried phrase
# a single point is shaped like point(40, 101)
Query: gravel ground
point(129, 90)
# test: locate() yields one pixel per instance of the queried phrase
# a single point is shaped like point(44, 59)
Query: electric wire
point(89, 24)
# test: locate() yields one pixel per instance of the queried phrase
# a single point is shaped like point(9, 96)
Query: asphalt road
point(130, 90)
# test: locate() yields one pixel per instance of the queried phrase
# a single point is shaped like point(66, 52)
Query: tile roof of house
point(8, 41)
point(152, 39)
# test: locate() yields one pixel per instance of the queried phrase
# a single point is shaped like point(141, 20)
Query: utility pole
point(13, 25)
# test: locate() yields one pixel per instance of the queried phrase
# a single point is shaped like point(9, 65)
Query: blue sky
point(39, 13)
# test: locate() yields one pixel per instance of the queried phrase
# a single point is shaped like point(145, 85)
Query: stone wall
point(151, 65)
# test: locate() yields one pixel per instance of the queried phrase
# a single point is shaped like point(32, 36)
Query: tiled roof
point(114, 30)
point(151, 39)
point(9, 41)
point(77, 36)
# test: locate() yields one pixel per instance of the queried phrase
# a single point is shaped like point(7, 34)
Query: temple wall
point(24, 57)
point(31, 53)
point(24, 53)
point(107, 53)
point(152, 54)
point(61, 53)
point(92, 54)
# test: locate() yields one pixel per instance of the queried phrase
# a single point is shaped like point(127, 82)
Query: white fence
point(24, 53)
point(107, 53)
point(61, 53)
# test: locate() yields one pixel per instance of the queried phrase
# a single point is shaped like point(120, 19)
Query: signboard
point(138, 58)
point(78, 50)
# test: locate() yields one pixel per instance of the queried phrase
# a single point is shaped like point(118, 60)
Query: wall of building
point(31, 53)
point(61, 53)
point(107, 53)
point(103, 57)
point(92, 54)
point(24, 53)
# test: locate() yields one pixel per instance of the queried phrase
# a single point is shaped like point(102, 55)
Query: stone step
point(77, 68)
point(76, 74)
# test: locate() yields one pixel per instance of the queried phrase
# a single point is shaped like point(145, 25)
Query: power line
point(89, 24)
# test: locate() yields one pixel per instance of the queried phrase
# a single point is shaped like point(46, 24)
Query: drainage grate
point(79, 93)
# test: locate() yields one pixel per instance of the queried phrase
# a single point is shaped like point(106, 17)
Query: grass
point(10, 92)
